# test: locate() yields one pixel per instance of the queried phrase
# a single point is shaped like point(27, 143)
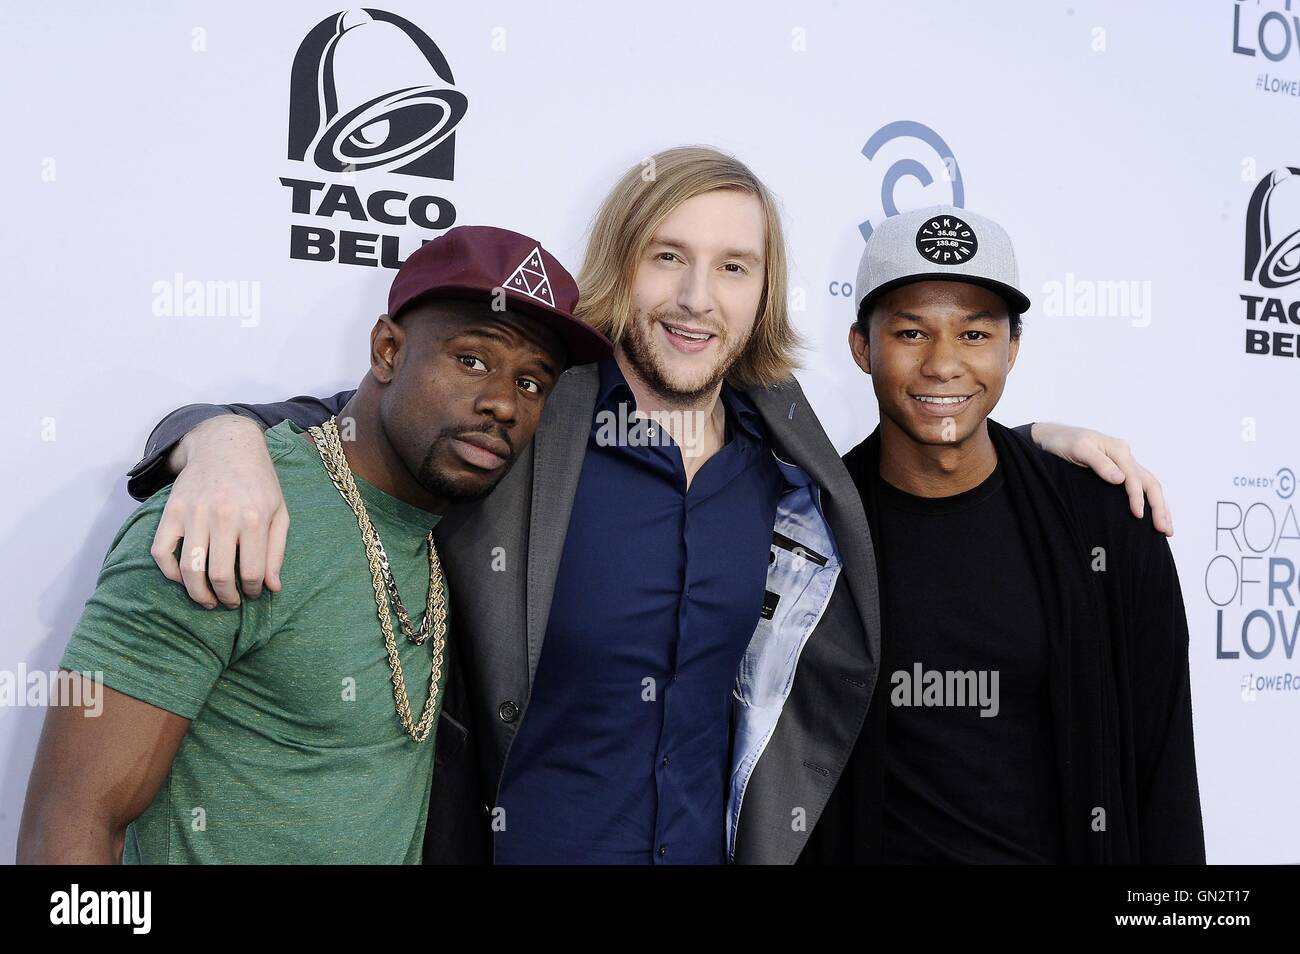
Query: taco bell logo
point(370, 90)
point(1273, 230)
point(1273, 262)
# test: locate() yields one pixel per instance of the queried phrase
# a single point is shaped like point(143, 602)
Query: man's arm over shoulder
point(227, 513)
point(1111, 458)
point(152, 472)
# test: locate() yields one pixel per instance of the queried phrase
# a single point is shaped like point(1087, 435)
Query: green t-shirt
point(295, 753)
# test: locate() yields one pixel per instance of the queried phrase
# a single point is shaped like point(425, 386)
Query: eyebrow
point(984, 315)
point(492, 335)
point(487, 333)
point(744, 254)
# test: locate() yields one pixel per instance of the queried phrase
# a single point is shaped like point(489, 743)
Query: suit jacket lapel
point(797, 436)
point(838, 666)
point(559, 447)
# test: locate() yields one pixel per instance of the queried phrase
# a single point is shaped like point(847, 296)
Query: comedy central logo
point(370, 90)
point(941, 166)
point(1285, 482)
point(1273, 262)
point(946, 240)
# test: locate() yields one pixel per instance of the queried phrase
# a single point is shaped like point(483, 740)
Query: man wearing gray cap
point(1035, 702)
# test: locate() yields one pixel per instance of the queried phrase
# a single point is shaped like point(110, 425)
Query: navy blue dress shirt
point(622, 754)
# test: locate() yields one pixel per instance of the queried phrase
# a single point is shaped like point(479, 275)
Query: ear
point(386, 340)
point(860, 347)
point(1012, 351)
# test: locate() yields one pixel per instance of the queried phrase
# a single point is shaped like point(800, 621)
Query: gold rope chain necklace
point(330, 446)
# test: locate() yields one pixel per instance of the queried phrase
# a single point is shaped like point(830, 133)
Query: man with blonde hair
point(636, 594)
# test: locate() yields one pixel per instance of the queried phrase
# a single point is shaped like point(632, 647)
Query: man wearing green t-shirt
point(300, 727)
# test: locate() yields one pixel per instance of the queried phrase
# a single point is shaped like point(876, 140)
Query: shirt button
point(663, 850)
point(508, 711)
point(665, 762)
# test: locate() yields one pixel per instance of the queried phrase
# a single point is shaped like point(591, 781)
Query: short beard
point(644, 361)
point(441, 484)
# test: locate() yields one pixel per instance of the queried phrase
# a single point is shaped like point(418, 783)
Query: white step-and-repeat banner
point(180, 227)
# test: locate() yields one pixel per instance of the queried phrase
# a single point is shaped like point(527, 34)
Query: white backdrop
point(1120, 144)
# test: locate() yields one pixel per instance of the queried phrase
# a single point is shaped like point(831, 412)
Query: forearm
point(164, 458)
point(216, 433)
point(69, 835)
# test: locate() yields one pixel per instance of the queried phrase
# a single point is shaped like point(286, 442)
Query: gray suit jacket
point(501, 558)
point(504, 613)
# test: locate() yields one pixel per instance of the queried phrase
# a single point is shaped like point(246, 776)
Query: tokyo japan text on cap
point(941, 242)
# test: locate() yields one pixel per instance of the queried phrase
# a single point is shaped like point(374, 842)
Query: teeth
point(939, 400)
point(688, 334)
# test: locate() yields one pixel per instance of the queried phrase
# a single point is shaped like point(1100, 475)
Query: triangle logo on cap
point(529, 278)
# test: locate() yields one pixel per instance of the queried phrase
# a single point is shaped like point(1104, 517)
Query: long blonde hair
point(624, 224)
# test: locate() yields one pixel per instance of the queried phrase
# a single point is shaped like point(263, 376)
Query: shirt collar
point(614, 389)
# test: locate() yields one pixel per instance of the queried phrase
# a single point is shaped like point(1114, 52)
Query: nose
point(498, 399)
point(694, 294)
point(942, 362)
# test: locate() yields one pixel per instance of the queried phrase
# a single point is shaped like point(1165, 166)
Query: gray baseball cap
point(944, 243)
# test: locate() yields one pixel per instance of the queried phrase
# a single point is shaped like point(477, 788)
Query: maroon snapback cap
point(474, 261)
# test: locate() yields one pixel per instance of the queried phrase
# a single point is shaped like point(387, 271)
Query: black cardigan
point(1120, 683)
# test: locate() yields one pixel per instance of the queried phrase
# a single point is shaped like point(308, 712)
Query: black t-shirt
point(959, 786)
